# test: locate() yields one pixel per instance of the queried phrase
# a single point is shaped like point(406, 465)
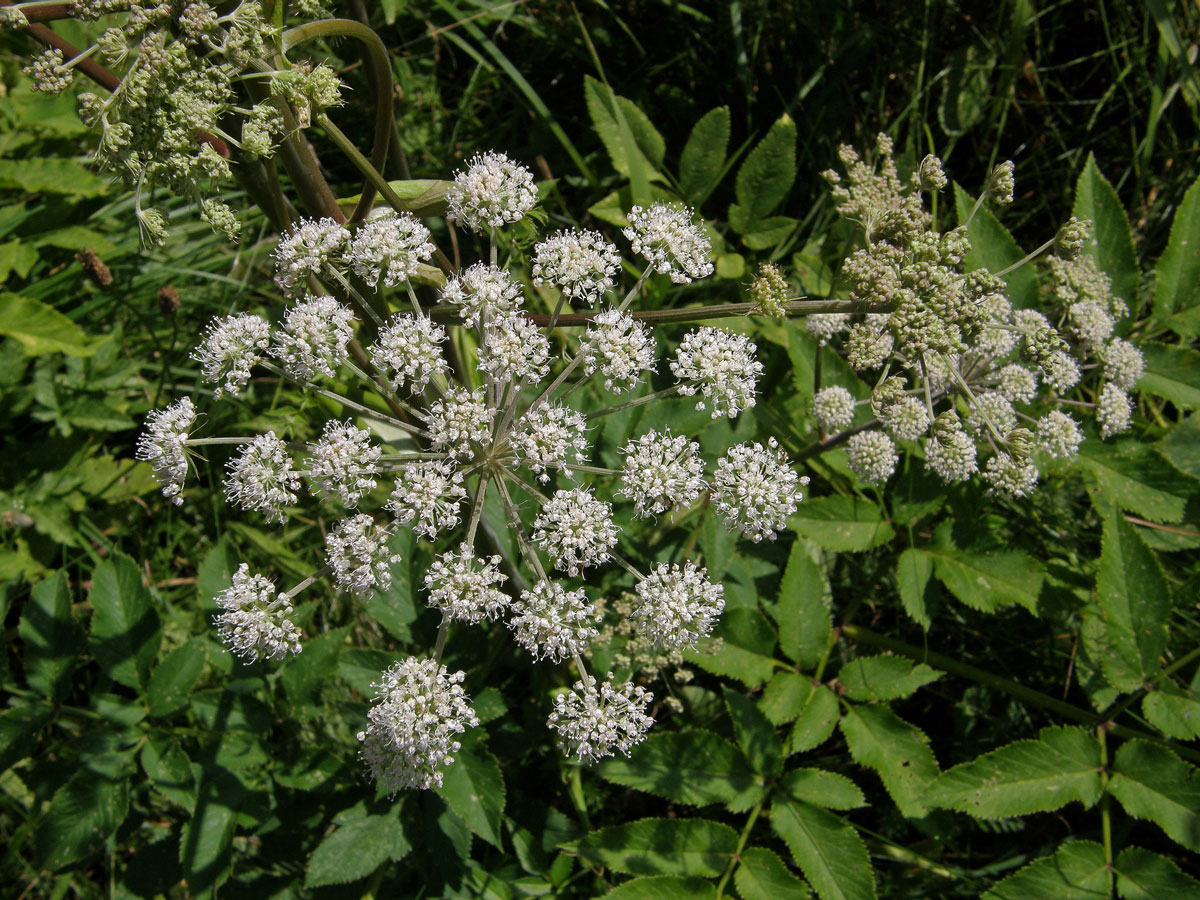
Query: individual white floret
point(678, 605)
point(408, 352)
point(550, 436)
point(230, 348)
point(1010, 477)
point(492, 191)
point(872, 456)
point(1058, 435)
point(553, 623)
point(1113, 411)
point(163, 445)
point(263, 478)
point(307, 249)
point(1017, 383)
point(833, 408)
point(357, 550)
point(755, 489)
point(670, 241)
point(661, 471)
point(593, 724)
point(483, 291)
point(1123, 363)
point(391, 247)
point(343, 462)
point(721, 366)
point(515, 349)
point(581, 264)
point(420, 709)
point(576, 530)
point(458, 420)
point(254, 622)
point(313, 338)
point(906, 419)
point(620, 347)
point(428, 496)
point(466, 588)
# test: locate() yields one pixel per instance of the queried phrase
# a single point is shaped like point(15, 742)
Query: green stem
point(1026, 258)
point(1105, 806)
point(1116, 709)
point(741, 845)
point(637, 401)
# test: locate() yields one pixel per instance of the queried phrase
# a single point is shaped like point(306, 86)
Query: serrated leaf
point(1133, 475)
point(703, 157)
point(1061, 766)
point(785, 696)
point(1142, 875)
point(1153, 783)
point(884, 677)
point(1177, 276)
point(304, 674)
point(821, 788)
point(51, 637)
point(174, 678)
point(767, 173)
point(828, 851)
point(1076, 872)
point(473, 787)
point(206, 842)
point(762, 234)
point(805, 625)
point(755, 734)
point(748, 642)
point(994, 249)
point(989, 581)
point(816, 720)
point(1134, 604)
point(631, 141)
point(913, 571)
point(662, 847)
point(842, 523)
point(663, 887)
point(897, 751)
point(36, 175)
point(82, 815)
point(1172, 372)
point(1175, 715)
point(1181, 446)
point(40, 329)
point(18, 731)
point(169, 769)
point(1112, 242)
point(693, 767)
point(965, 90)
point(125, 627)
point(762, 875)
point(356, 849)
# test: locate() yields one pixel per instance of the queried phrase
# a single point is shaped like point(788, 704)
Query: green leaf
point(16, 257)
point(1172, 372)
point(1111, 242)
point(1142, 875)
point(914, 570)
point(51, 637)
point(816, 719)
point(423, 197)
point(994, 249)
point(842, 523)
point(1076, 872)
point(631, 141)
point(747, 648)
point(1134, 604)
point(703, 157)
point(785, 696)
point(762, 875)
point(206, 842)
point(828, 851)
point(82, 815)
point(1181, 446)
point(473, 787)
point(755, 734)
point(305, 674)
point(169, 769)
point(174, 678)
point(1135, 477)
point(125, 627)
point(51, 175)
point(897, 751)
point(821, 788)
point(40, 329)
point(18, 731)
point(356, 849)
point(761, 234)
point(663, 887)
point(805, 626)
point(965, 90)
point(662, 847)
point(989, 581)
point(1153, 783)
point(693, 767)
point(884, 677)
point(767, 173)
point(1177, 277)
point(1061, 766)
point(1173, 714)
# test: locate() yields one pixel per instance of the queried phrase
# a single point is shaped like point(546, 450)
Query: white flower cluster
point(254, 622)
point(595, 723)
point(492, 191)
point(162, 445)
point(719, 365)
